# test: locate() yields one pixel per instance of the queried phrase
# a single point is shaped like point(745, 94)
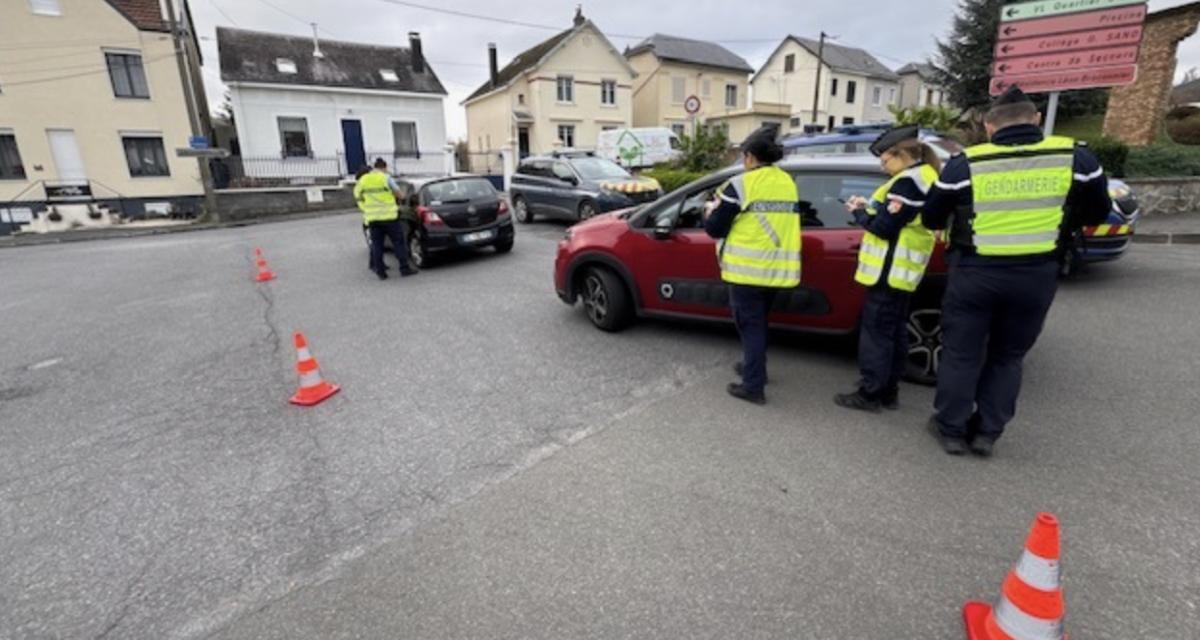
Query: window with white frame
point(789, 63)
point(45, 7)
point(404, 139)
point(566, 134)
point(127, 75)
point(877, 96)
point(11, 167)
point(566, 89)
point(146, 156)
point(678, 90)
point(608, 92)
point(892, 96)
point(706, 88)
point(731, 95)
point(293, 137)
point(851, 87)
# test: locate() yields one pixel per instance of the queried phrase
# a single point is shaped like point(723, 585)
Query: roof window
point(389, 75)
point(285, 66)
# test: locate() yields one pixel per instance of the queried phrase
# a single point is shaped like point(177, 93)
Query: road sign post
point(1051, 114)
point(1051, 46)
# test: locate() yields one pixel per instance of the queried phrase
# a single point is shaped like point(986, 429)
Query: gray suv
point(575, 186)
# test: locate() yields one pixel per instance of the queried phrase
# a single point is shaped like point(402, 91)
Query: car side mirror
point(571, 180)
point(663, 231)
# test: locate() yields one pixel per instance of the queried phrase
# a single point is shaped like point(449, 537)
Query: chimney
point(418, 56)
point(316, 42)
point(579, 19)
point(493, 68)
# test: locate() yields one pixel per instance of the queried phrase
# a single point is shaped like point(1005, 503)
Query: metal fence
point(483, 163)
point(240, 172)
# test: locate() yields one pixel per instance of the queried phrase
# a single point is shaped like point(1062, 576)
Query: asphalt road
point(495, 467)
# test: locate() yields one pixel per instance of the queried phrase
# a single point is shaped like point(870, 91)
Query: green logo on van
point(629, 148)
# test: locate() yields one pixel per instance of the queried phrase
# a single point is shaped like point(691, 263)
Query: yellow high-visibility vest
point(913, 248)
point(763, 245)
point(375, 199)
point(1019, 192)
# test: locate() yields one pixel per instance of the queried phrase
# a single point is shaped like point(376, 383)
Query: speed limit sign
point(692, 105)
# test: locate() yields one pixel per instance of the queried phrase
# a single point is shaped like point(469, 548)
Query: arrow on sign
point(1003, 67)
point(1006, 48)
point(1047, 8)
point(1012, 11)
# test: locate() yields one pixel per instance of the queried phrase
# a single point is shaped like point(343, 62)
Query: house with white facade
point(309, 110)
point(919, 86)
point(856, 88)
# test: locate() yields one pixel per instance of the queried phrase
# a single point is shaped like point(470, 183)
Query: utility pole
point(190, 98)
point(817, 88)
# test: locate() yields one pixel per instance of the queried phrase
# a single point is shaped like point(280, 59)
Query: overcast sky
point(457, 46)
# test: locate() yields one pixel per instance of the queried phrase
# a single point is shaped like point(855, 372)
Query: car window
point(562, 171)
point(600, 169)
point(823, 196)
point(827, 149)
point(539, 168)
point(459, 190)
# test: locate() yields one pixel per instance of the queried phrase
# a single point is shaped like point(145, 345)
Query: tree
point(934, 117)
point(964, 62)
point(704, 151)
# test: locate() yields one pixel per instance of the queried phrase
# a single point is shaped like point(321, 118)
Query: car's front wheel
point(924, 345)
point(521, 208)
point(587, 209)
point(605, 300)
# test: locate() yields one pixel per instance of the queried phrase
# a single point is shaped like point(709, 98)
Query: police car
point(1100, 243)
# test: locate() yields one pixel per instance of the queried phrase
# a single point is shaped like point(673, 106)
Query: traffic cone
point(313, 390)
point(1031, 600)
point(264, 274)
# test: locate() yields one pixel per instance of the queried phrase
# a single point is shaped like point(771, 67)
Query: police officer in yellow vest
point(376, 194)
point(891, 263)
point(757, 217)
point(1005, 203)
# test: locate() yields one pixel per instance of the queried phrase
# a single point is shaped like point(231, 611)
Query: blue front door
point(352, 141)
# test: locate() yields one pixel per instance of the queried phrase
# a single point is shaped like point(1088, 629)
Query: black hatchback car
point(575, 185)
point(452, 213)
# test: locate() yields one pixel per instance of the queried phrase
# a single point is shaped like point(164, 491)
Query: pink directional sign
point(1066, 61)
point(1067, 80)
point(1104, 38)
point(1092, 20)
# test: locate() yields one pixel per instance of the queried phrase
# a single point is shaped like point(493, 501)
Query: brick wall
point(1135, 112)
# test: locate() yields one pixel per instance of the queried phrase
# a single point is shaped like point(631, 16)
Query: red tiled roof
point(144, 14)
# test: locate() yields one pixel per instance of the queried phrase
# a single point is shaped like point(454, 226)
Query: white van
point(638, 147)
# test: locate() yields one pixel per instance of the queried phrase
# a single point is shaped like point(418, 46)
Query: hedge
point(672, 179)
point(1155, 161)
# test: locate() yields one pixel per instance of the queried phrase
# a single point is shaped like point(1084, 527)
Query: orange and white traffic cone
point(1031, 601)
point(313, 389)
point(264, 274)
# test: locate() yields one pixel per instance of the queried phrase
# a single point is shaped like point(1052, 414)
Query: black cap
point(762, 145)
point(893, 137)
point(1012, 95)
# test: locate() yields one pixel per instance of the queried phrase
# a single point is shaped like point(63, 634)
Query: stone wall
point(245, 204)
point(1167, 196)
point(1135, 112)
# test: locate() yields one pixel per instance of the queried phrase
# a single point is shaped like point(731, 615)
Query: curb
point(9, 242)
point(1167, 238)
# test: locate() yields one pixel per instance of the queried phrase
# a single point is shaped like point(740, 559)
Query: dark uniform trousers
point(883, 341)
point(751, 305)
point(991, 316)
point(394, 230)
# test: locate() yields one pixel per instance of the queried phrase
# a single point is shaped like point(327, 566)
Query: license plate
point(478, 236)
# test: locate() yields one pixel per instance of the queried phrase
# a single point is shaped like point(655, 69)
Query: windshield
point(599, 169)
point(451, 190)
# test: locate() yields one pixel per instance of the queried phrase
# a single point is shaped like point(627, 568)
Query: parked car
point(1090, 244)
point(655, 260)
point(575, 186)
point(458, 212)
point(635, 147)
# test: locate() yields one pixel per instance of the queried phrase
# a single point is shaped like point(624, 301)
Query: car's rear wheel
point(416, 250)
point(521, 209)
point(605, 300)
point(587, 209)
point(924, 345)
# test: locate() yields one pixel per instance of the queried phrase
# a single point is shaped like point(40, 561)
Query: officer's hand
point(856, 202)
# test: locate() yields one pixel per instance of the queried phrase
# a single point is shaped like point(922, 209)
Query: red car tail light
point(428, 217)
point(503, 211)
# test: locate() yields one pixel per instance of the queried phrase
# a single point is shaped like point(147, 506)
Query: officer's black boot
point(857, 400)
point(382, 273)
point(952, 446)
point(741, 393)
point(890, 400)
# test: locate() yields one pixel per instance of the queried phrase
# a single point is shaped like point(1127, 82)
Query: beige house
point(559, 94)
point(855, 87)
point(98, 123)
point(919, 86)
point(671, 70)
point(740, 124)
